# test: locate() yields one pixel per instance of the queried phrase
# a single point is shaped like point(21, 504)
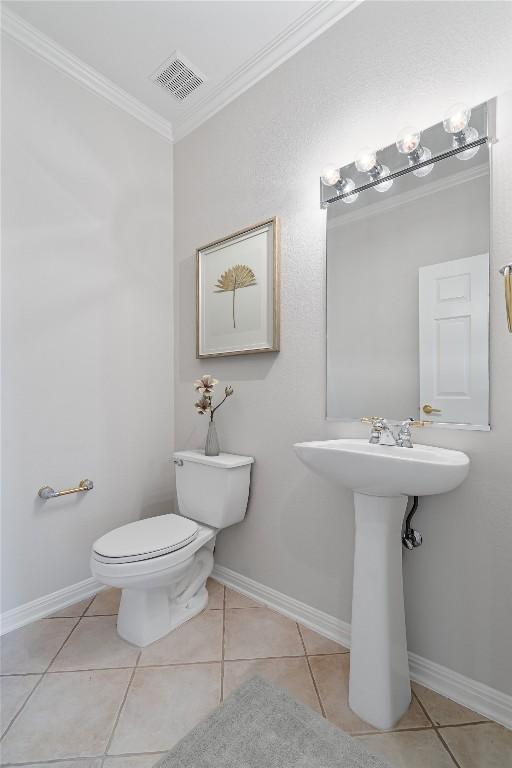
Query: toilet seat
point(145, 539)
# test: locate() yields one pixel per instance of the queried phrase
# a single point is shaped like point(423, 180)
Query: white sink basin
point(386, 470)
point(381, 477)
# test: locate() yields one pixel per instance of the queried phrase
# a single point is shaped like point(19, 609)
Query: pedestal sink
point(381, 477)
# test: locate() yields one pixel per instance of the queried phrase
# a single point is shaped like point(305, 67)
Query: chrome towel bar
point(48, 493)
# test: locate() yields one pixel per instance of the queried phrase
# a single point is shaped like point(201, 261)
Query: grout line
point(434, 726)
point(43, 675)
point(461, 725)
point(447, 748)
point(311, 672)
point(118, 716)
point(87, 760)
point(181, 664)
point(412, 729)
point(223, 650)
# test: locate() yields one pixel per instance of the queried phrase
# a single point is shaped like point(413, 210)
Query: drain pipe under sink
point(411, 538)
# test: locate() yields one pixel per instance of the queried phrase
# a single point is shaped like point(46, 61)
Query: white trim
point(479, 697)
point(292, 39)
point(47, 49)
point(297, 35)
point(48, 604)
point(323, 623)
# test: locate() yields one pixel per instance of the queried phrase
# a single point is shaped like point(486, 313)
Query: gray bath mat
point(260, 726)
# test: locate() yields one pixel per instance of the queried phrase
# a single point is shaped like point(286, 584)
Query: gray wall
point(87, 323)
point(261, 156)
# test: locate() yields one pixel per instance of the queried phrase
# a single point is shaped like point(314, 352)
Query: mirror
point(408, 296)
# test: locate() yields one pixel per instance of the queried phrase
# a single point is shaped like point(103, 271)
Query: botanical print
point(229, 319)
point(239, 276)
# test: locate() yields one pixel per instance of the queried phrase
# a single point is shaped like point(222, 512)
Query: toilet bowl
point(161, 564)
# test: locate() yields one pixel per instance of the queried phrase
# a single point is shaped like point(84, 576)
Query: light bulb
point(348, 186)
point(366, 159)
point(385, 185)
point(408, 140)
point(457, 118)
point(425, 154)
point(330, 175)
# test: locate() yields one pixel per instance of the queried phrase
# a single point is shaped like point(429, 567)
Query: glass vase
point(211, 447)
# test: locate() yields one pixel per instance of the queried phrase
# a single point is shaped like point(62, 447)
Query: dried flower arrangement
point(205, 386)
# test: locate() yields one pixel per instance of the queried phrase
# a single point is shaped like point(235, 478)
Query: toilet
point(161, 564)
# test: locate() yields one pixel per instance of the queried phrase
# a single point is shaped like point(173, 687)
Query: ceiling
point(234, 43)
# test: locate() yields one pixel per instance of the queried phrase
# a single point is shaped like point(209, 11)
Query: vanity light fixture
point(456, 123)
point(366, 162)
point(408, 143)
point(453, 136)
point(331, 177)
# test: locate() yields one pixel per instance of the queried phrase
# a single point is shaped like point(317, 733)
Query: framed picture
point(237, 293)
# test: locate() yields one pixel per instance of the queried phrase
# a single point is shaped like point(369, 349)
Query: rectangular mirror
point(408, 296)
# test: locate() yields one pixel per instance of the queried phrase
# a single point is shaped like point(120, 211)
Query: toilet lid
point(144, 539)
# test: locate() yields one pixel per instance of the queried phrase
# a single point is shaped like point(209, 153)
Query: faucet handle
point(373, 420)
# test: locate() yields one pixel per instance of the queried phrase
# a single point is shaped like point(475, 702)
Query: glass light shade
point(349, 185)
point(408, 139)
point(426, 154)
point(366, 159)
point(330, 175)
point(470, 134)
point(457, 118)
point(385, 185)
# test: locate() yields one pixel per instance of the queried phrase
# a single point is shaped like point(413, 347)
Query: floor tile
point(237, 600)
point(215, 594)
point(199, 639)
point(331, 674)
point(105, 603)
point(95, 644)
point(316, 644)
point(31, 648)
point(412, 749)
point(443, 711)
point(164, 704)
point(133, 761)
point(70, 714)
point(290, 674)
point(72, 611)
point(14, 692)
point(487, 745)
point(253, 633)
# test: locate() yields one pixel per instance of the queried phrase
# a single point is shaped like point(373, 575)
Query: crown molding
point(47, 49)
point(306, 28)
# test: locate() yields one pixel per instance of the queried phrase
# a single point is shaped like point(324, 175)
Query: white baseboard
point(48, 604)
point(479, 697)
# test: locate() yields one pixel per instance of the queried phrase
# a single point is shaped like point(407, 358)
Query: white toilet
point(162, 563)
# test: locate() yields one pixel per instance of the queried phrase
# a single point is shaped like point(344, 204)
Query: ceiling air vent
point(178, 76)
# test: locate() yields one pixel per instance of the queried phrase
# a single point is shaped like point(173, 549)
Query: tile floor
point(75, 695)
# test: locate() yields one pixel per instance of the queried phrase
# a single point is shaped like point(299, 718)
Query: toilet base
point(146, 615)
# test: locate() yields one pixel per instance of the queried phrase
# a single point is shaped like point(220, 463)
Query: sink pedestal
point(380, 690)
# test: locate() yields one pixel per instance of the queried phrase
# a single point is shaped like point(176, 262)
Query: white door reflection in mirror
point(454, 344)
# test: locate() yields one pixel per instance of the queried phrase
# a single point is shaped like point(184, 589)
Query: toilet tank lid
point(223, 460)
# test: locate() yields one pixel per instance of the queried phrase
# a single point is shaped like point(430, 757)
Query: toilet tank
point(212, 489)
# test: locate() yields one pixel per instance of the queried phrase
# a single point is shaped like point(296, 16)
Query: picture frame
point(238, 292)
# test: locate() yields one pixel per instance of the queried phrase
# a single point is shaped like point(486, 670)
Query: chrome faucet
point(385, 433)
